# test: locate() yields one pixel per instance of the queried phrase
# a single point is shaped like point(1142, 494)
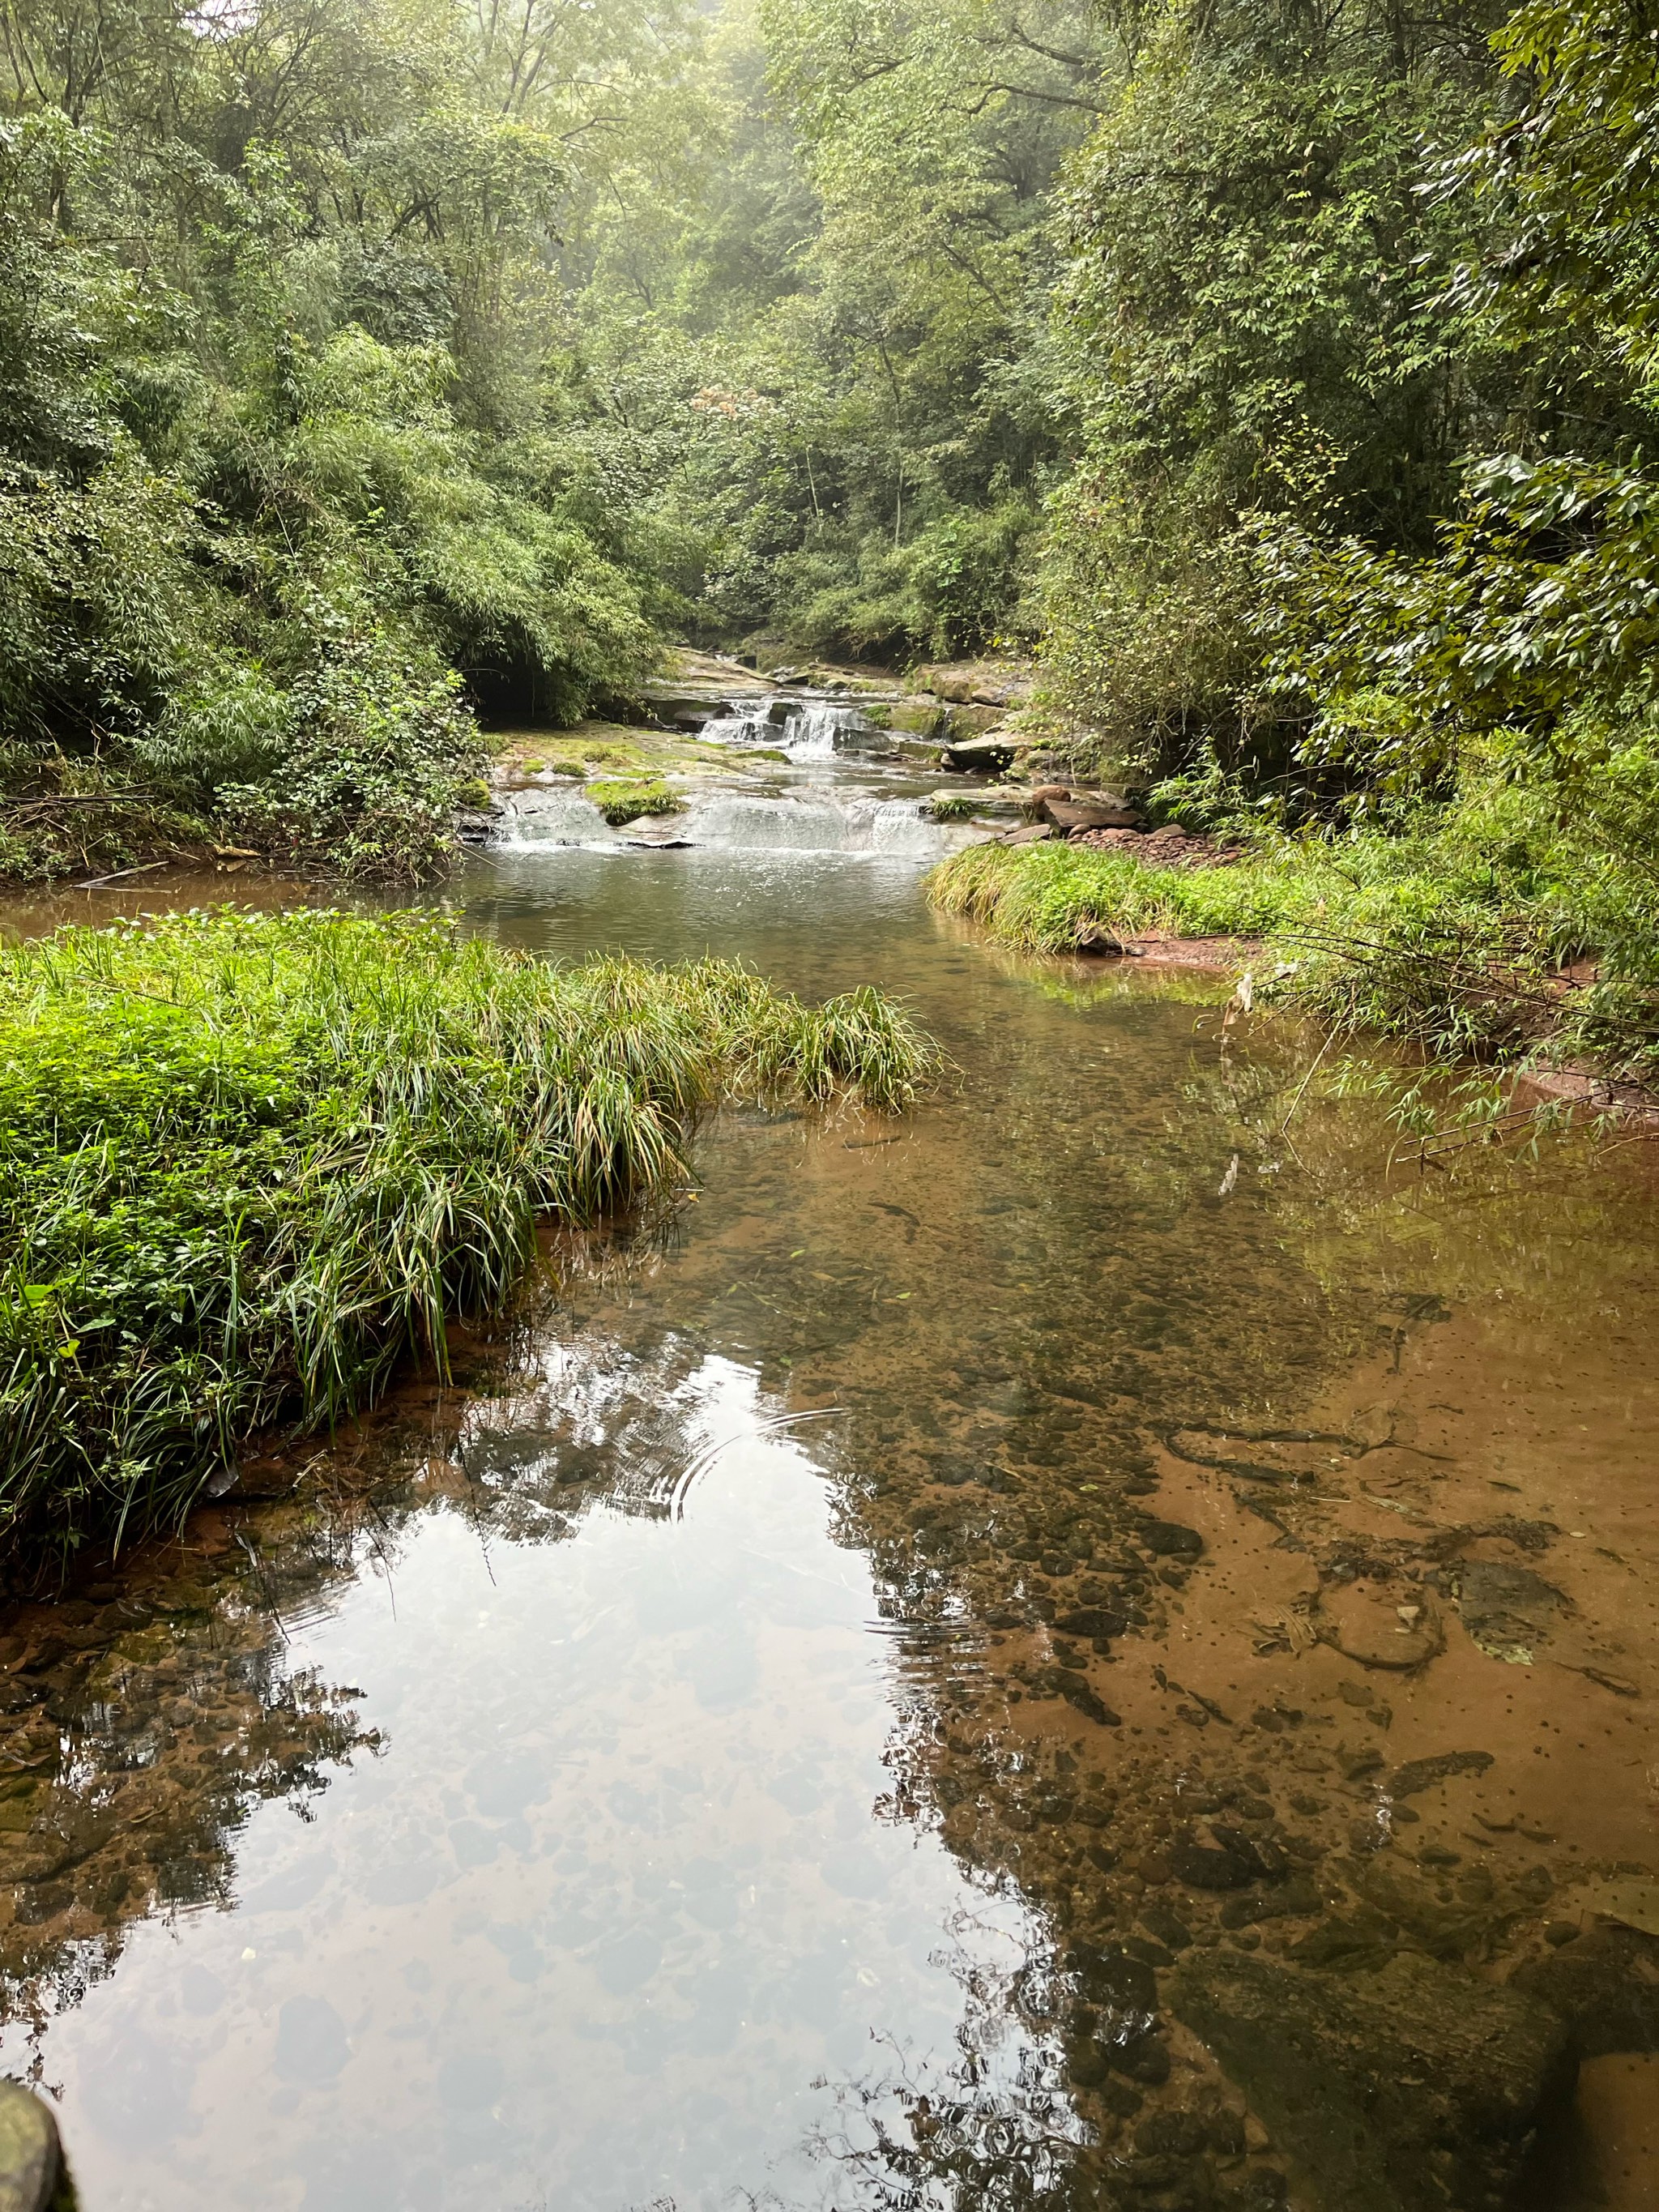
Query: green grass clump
point(249, 1162)
point(1051, 897)
point(622, 801)
point(1448, 931)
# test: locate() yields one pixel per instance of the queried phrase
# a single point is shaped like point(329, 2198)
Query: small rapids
point(852, 822)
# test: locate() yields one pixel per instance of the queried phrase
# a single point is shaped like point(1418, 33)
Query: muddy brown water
point(1085, 1648)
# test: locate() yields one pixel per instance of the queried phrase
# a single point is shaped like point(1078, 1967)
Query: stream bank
point(934, 1626)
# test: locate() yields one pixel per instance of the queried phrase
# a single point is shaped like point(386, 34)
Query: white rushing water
point(805, 729)
point(852, 821)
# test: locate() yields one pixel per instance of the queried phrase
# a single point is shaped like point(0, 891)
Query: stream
point(1093, 1646)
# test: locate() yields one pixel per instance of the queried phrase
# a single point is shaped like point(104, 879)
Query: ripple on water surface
point(897, 1693)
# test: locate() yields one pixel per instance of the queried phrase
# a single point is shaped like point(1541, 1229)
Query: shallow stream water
point(905, 1689)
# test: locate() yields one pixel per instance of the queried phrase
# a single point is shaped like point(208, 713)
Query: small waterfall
point(805, 729)
point(821, 732)
point(733, 727)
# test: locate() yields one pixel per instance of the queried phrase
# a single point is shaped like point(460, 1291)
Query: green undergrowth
point(248, 1164)
point(1458, 933)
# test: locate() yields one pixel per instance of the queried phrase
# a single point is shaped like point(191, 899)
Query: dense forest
point(1279, 377)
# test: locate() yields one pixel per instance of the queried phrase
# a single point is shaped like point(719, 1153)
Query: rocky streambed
point(1073, 1653)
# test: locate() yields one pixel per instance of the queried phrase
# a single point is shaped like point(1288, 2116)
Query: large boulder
point(1414, 2088)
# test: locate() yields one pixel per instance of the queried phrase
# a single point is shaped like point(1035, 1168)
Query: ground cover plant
point(248, 1164)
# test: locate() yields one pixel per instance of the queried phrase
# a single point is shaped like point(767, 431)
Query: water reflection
point(897, 1693)
point(618, 1850)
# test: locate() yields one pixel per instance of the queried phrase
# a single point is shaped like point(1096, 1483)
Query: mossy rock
point(622, 801)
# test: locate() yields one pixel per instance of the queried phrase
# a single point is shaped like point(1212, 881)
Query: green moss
point(621, 799)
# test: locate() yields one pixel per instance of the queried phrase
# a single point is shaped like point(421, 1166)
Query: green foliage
point(1243, 333)
point(1056, 897)
point(1453, 926)
point(247, 1164)
point(272, 480)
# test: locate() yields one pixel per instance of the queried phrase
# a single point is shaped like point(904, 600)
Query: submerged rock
point(1416, 2088)
point(1169, 1539)
point(1605, 1985)
point(1506, 1610)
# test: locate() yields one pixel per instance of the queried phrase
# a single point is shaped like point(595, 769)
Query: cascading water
point(824, 810)
point(805, 729)
point(853, 823)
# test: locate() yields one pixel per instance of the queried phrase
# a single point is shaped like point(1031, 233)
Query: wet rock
point(1297, 1900)
point(1421, 1773)
point(1355, 1944)
point(1506, 1610)
point(1143, 1947)
point(1355, 1762)
point(1415, 2089)
point(1120, 2100)
point(1169, 1539)
point(1155, 2174)
point(1262, 2190)
point(1088, 2062)
point(1121, 1991)
point(1182, 2135)
point(1200, 1867)
point(1091, 1620)
point(1605, 1985)
point(1166, 1927)
point(1369, 1630)
point(1224, 2131)
point(1029, 833)
point(28, 2151)
point(1144, 2058)
point(984, 756)
point(1081, 1699)
point(1448, 1931)
point(1265, 1861)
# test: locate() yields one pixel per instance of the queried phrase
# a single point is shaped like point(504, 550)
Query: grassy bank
point(247, 1164)
point(1482, 933)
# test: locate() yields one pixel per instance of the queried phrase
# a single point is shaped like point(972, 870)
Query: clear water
point(676, 1766)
